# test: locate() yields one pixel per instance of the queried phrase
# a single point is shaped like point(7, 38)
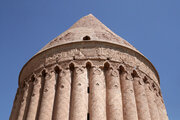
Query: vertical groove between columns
point(105, 80)
point(55, 97)
point(40, 97)
point(72, 81)
point(88, 91)
point(122, 97)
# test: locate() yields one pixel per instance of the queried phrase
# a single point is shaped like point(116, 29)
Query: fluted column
point(33, 106)
point(141, 99)
point(23, 101)
point(129, 103)
point(114, 98)
point(161, 108)
point(62, 101)
point(97, 94)
point(79, 101)
point(17, 103)
point(164, 109)
point(12, 116)
point(151, 101)
point(46, 107)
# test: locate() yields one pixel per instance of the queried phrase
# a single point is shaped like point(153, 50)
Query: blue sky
point(152, 26)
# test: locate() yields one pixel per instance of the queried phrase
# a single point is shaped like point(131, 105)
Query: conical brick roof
point(87, 26)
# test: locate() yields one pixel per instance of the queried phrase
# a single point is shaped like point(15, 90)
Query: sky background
point(152, 26)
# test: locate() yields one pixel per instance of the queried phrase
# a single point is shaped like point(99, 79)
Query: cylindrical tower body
point(88, 73)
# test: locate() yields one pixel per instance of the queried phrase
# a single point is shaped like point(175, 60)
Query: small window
point(86, 38)
point(87, 89)
point(88, 117)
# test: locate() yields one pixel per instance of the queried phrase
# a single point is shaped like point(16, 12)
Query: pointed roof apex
point(90, 14)
point(89, 21)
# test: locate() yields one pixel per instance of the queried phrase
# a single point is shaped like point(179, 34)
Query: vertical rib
point(13, 108)
point(41, 94)
point(97, 94)
point(151, 101)
point(62, 100)
point(129, 103)
point(46, 107)
point(161, 108)
point(16, 105)
point(23, 101)
point(141, 100)
point(164, 109)
point(114, 98)
point(79, 101)
point(33, 106)
point(31, 85)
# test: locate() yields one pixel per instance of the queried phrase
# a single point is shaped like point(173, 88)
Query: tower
point(88, 73)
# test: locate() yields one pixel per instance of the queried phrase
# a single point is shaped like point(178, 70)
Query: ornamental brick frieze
point(115, 55)
point(96, 53)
